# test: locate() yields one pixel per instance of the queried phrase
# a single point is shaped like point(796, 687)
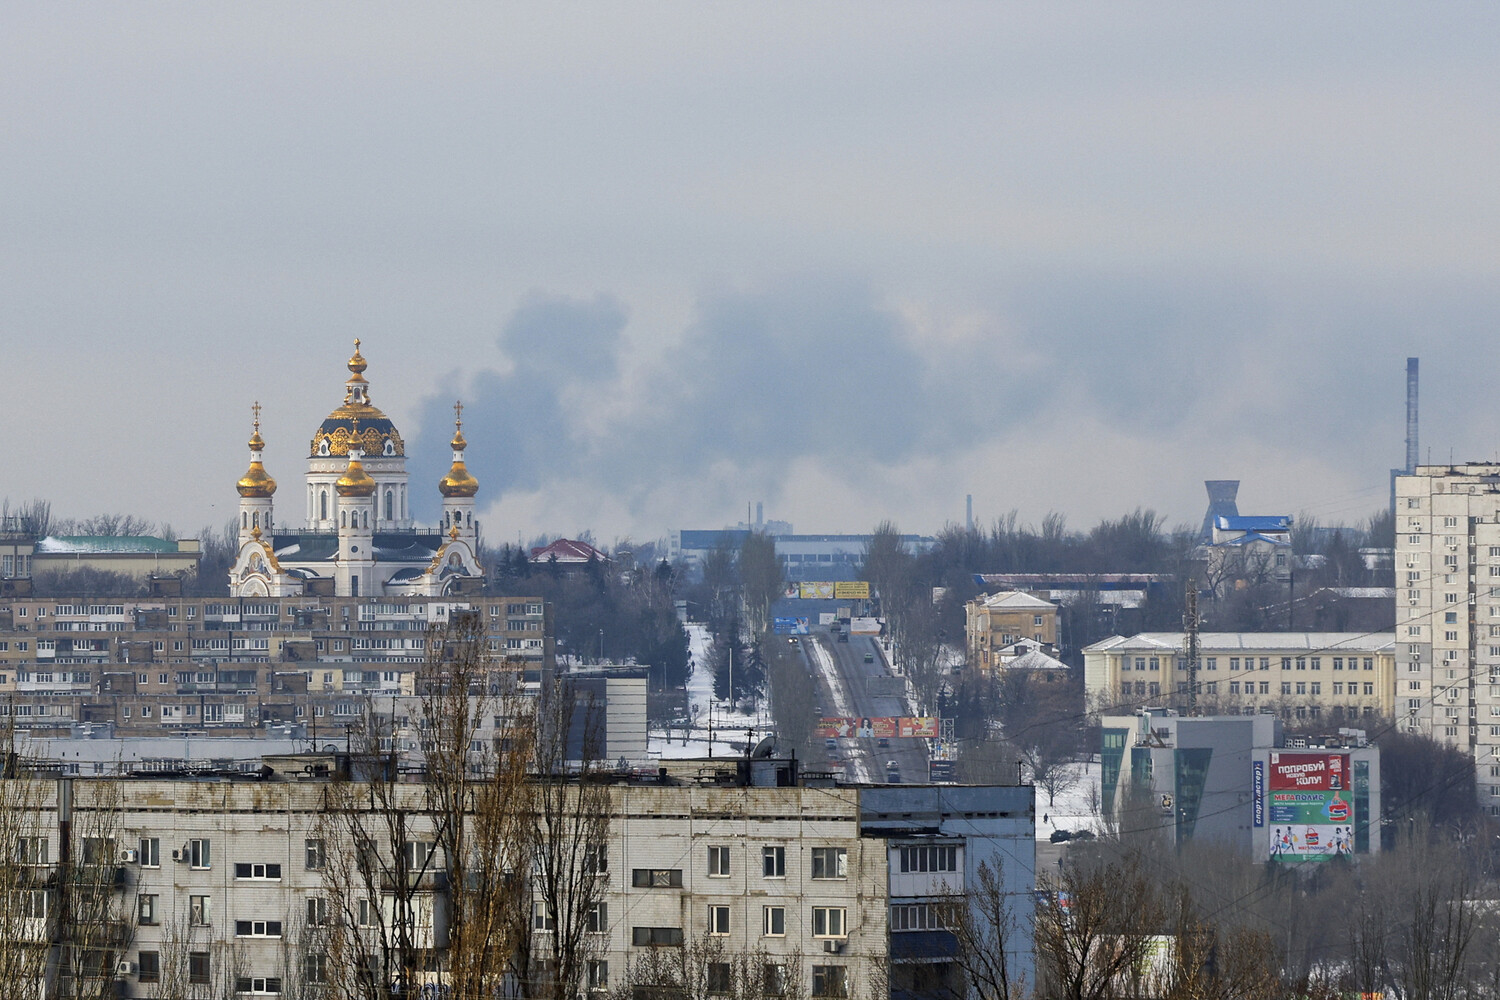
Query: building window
point(317, 911)
point(198, 849)
point(256, 986)
point(145, 909)
point(718, 862)
point(598, 918)
point(598, 976)
point(656, 937)
point(718, 920)
point(257, 928)
point(929, 859)
point(200, 911)
point(773, 921)
point(830, 981)
point(198, 968)
point(315, 968)
point(830, 862)
point(541, 918)
point(828, 922)
point(259, 872)
point(314, 857)
point(773, 862)
point(595, 859)
point(150, 966)
point(656, 878)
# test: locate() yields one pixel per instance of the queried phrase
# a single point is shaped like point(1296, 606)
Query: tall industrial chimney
point(1411, 415)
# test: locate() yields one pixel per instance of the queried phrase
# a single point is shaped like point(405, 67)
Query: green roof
point(119, 544)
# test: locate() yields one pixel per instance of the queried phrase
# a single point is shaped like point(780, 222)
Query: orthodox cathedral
point(358, 539)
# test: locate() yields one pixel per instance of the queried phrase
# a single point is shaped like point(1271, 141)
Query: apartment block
point(152, 665)
point(1448, 611)
point(836, 890)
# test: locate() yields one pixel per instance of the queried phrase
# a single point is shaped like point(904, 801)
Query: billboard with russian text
point(1309, 771)
point(852, 590)
point(887, 727)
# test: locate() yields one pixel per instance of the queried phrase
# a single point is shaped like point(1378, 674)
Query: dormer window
point(323, 448)
point(390, 449)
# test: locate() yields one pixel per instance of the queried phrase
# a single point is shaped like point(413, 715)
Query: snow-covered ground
point(1072, 808)
point(728, 726)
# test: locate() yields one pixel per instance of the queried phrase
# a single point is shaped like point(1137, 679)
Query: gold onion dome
point(459, 482)
point(355, 482)
point(256, 482)
point(356, 418)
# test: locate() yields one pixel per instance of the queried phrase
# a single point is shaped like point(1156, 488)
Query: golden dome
point(356, 423)
point(355, 482)
point(458, 482)
point(256, 482)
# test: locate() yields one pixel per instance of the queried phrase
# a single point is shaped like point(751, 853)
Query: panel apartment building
point(834, 891)
point(1448, 611)
point(234, 665)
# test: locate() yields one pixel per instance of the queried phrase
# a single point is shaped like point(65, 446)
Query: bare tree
point(761, 578)
point(1095, 926)
point(986, 930)
point(569, 809)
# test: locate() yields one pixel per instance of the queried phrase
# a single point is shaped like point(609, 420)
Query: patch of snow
point(1072, 808)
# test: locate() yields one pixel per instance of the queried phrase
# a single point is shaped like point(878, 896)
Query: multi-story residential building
point(1448, 611)
point(832, 891)
point(150, 665)
point(1331, 677)
point(802, 557)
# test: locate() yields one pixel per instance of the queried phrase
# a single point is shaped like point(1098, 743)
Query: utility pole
point(1190, 625)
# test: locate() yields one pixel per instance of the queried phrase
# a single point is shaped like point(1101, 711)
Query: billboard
point(888, 727)
point(864, 626)
point(1310, 771)
point(1310, 818)
point(852, 590)
point(813, 590)
point(790, 625)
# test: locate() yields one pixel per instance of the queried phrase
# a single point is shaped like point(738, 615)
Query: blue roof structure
point(1266, 522)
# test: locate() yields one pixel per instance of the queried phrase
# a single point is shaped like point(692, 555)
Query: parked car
point(843, 637)
point(869, 657)
point(1059, 836)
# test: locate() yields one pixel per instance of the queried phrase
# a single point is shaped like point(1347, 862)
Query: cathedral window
point(255, 520)
point(390, 504)
point(343, 519)
point(244, 520)
point(367, 519)
point(323, 509)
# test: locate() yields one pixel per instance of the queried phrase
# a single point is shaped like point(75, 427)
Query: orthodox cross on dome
point(458, 413)
point(255, 409)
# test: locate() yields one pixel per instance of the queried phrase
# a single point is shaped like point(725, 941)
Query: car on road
point(883, 743)
point(893, 772)
point(831, 743)
point(843, 637)
point(869, 657)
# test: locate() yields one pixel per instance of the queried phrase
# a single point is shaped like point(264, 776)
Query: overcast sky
point(852, 260)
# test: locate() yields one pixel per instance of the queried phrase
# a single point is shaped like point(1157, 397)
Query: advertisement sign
point(826, 618)
point(1258, 792)
point(864, 626)
point(1309, 771)
point(888, 727)
point(852, 590)
point(940, 771)
point(790, 626)
point(815, 591)
point(1311, 826)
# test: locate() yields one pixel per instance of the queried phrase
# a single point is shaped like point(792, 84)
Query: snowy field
point(1072, 808)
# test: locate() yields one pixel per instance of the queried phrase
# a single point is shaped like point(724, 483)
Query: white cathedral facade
point(358, 538)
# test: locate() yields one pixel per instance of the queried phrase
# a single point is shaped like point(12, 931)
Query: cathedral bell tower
point(256, 490)
point(458, 488)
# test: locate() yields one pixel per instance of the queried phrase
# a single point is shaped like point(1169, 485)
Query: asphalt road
point(871, 691)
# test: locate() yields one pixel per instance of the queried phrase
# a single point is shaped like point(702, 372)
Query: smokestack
point(1411, 414)
point(760, 513)
point(969, 512)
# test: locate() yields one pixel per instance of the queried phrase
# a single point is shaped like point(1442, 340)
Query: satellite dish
point(763, 748)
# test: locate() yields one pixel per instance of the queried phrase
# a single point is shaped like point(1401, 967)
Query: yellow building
point(1333, 676)
point(993, 623)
